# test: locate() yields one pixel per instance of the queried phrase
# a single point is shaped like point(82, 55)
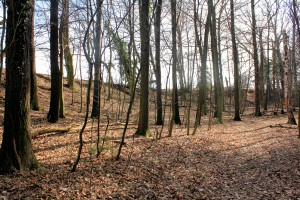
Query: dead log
point(282, 126)
point(41, 131)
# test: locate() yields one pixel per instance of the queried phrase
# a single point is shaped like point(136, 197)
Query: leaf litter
point(251, 159)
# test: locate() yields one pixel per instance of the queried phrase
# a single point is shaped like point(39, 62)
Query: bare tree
point(175, 105)
point(287, 74)
point(55, 72)
point(97, 64)
point(67, 50)
point(143, 125)
point(203, 49)
point(237, 116)
point(256, 63)
point(215, 62)
point(34, 102)
point(157, 23)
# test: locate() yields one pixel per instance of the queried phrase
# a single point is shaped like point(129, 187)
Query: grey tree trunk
point(68, 57)
point(286, 71)
point(299, 111)
point(256, 64)
point(216, 70)
point(202, 90)
point(180, 60)
point(274, 74)
point(143, 125)
point(287, 74)
point(97, 64)
point(267, 93)
point(175, 105)
point(261, 68)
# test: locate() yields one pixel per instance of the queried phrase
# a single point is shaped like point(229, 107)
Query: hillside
point(257, 158)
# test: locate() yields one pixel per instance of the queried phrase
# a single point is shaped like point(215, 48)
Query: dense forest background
point(209, 82)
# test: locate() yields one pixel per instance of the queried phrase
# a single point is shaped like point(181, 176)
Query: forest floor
point(257, 158)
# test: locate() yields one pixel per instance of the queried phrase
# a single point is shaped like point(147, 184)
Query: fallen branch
point(42, 131)
point(282, 126)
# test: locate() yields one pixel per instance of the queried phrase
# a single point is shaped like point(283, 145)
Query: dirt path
point(236, 160)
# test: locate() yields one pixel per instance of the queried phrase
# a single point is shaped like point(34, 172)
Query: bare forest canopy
point(273, 17)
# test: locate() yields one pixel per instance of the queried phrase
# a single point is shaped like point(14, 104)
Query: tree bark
point(61, 109)
point(180, 60)
point(16, 152)
point(299, 111)
point(286, 71)
point(143, 125)
point(55, 72)
point(175, 106)
point(290, 114)
point(237, 116)
point(216, 70)
point(256, 64)
point(34, 102)
point(97, 64)
point(267, 94)
point(2, 38)
point(274, 75)
point(202, 90)
point(261, 68)
point(67, 50)
point(157, 22)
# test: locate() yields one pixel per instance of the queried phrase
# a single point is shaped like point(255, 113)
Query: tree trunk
point(294, 66)
point(97, 64)
point(2, 38)
point(67, 50)
point(237, 116)
point(299, 111)
point(175, 105)
point(34, 102)
point(61, 69)
point(280, 77)
point(55, 72)
point(110, 65)
point(274, 75)
point(202, 90)
point(256, 64)
point(16, 151)
point(267, 94)
point(216, 70)
point(157, 22)
point(261, 68)
point(143, 125)
point(180, 63)
point(286, 71)
point(220, 55)
point(290, 114)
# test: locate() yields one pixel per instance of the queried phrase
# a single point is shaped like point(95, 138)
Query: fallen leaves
point(252, 159)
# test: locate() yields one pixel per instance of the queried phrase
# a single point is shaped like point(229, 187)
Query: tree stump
point(291, 118)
